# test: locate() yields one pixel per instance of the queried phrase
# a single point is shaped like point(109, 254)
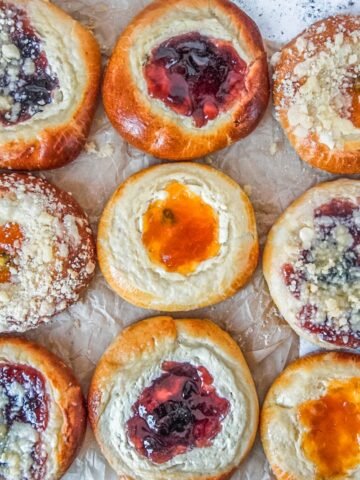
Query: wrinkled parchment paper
point(264, 164)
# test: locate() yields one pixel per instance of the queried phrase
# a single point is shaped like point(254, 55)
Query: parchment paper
point(264, 164)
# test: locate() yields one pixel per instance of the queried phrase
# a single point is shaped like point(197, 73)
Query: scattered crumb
point(104, 151)
point(273, 148)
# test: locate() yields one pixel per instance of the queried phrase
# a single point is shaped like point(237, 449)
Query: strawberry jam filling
point(27, 83)
point(180, 231)
point(181, 410)
point(326, 275)
point(196, 76)
point(23, 401)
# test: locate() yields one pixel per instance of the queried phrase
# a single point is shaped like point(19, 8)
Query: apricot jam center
point(179, 411)
point(180, 231)
point(355, 104)
point(10, 239)
point(195, 75)
point(332, 425)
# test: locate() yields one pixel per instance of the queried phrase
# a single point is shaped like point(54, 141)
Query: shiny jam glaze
point(178, 412)
point(26, 80)
point(344, 272)
point(10, 240)
point(332, 429)
point(195, 76)
point(30, 407)
point(34, 403)
point(180, 231)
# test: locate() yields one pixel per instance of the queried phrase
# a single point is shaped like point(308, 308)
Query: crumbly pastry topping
point(321, 94)
point(24, 416)
point(27, 82)
point(325, 276)
point(46, 252)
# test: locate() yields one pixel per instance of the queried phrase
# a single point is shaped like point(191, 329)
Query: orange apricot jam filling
point(355, 104)
point(332, 423)
point(10, 238)
point(180, 231)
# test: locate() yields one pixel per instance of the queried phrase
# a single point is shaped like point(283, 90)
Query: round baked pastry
point(47, 251)
point(186, 78)
point(310, 421)
point(177, 237)
point(312, 264)
point(49, 80)
point(173, 399)
point(42, 412)
point(317, 94)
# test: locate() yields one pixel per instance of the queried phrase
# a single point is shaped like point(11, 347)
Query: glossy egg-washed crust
point(144, 299)
point(69, 399)
point(58, 145)
point(66, 205)
point(309, 148)
point(270, 251)
point(303, 364)
point(131, 112)
point(143, 338)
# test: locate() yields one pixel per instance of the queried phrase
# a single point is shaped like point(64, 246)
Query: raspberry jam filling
point(332, 425)
point(27, 83)
point(23, 401)
point(10, 241)
point(196, 76)
point(326, 274)
point(179, 411)
point(180, 231)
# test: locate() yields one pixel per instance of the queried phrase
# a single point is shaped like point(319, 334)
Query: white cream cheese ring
point(173, 400)
point(310, 420)
point(177, 237)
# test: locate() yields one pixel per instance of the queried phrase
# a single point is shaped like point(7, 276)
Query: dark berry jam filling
point(179, 411)
point(27, 83)
point(196, 76)
point(330, 268)
point(27, 402)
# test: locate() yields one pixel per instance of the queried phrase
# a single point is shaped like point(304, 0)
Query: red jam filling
point(179, 411)
point(344, 271)
point(196, 76)
point(26, 80)
point(30, 407)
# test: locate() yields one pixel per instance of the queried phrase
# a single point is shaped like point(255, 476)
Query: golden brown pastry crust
point(69, 399)
point(146, 337)
point(143, 299)
point(78, 264)
point(310, 149)
point(305, 364)
point(132, 114)
point(58, 145)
